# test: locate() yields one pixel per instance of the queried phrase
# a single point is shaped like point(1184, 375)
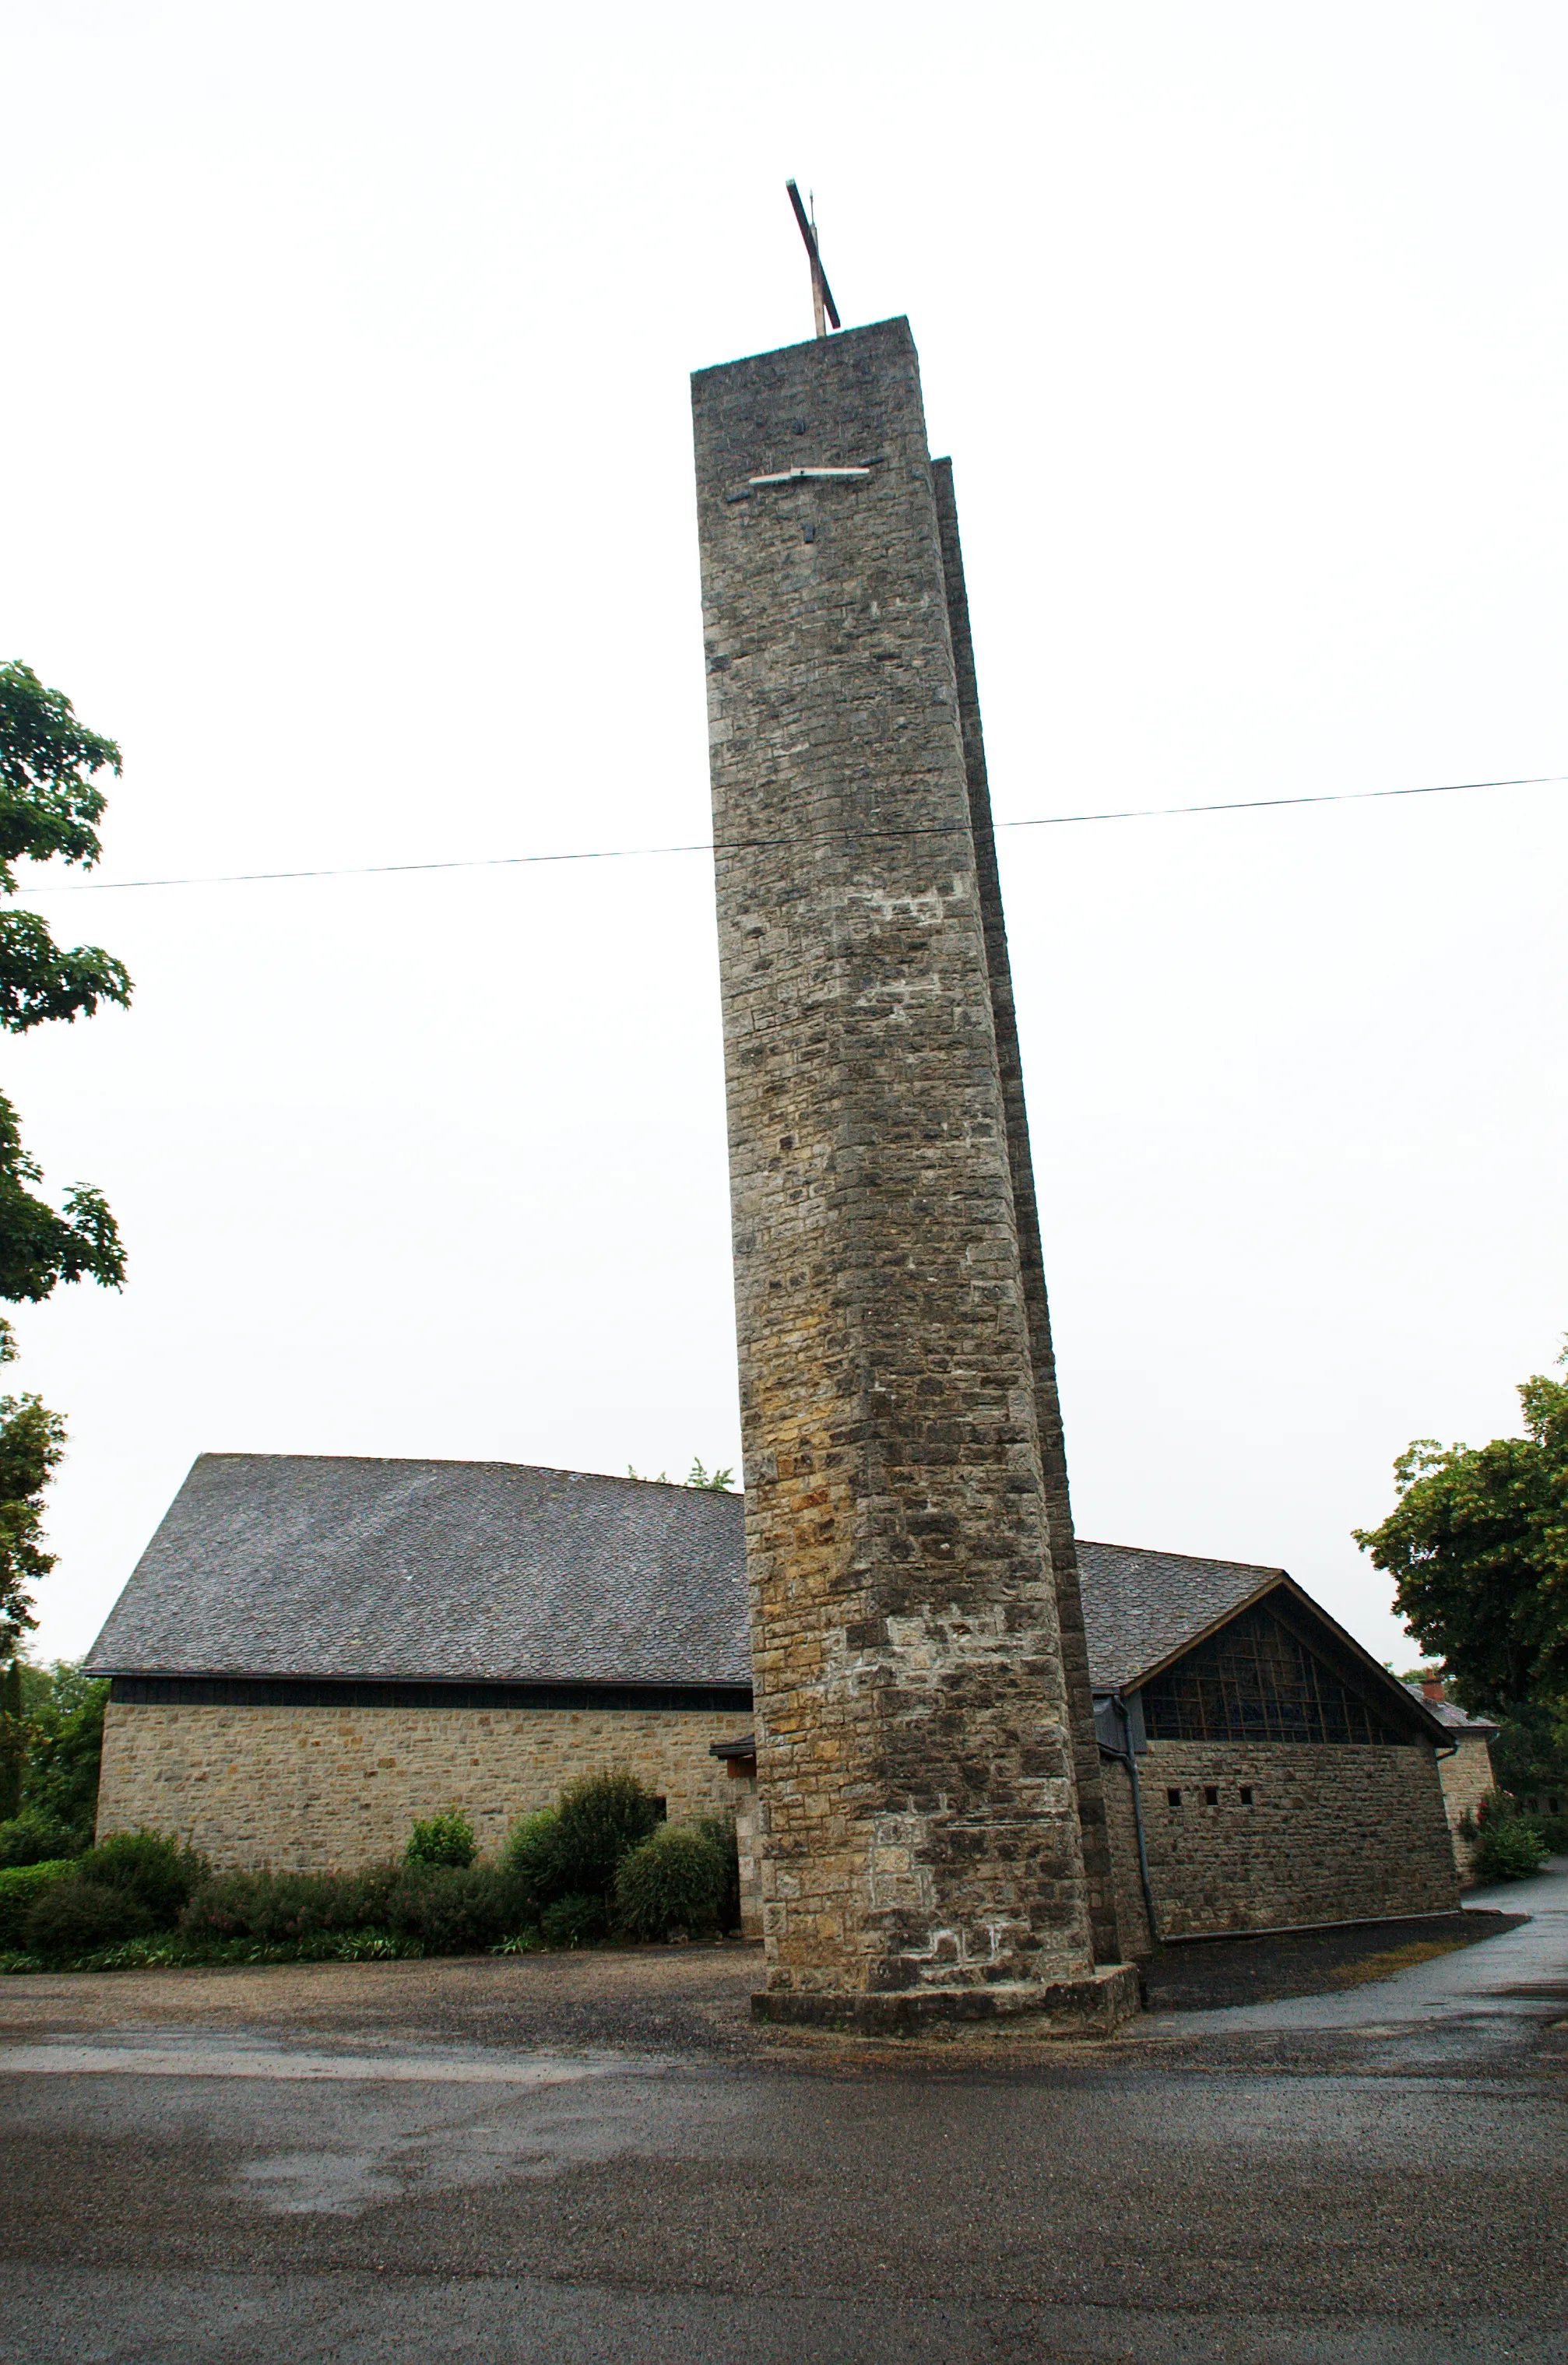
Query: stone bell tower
point(933, 1837)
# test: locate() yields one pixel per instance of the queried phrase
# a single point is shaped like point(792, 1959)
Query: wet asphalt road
point(598, 2158)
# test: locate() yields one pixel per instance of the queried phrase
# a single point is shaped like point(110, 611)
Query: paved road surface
point(598, 2158)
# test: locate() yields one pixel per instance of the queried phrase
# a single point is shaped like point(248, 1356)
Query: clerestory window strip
point(1256, 1680)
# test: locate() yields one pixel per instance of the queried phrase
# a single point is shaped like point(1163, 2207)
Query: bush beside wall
point(1506, 1845)
point(444, 1839)
point(599, 1862)
point(83, 1917)
point(449, 1909)
point(135, 1883)
point(673, 1883)
point(21, 1886)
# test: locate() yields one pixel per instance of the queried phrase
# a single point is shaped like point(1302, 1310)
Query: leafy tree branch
point(1477, 1545)
point(49, 809)
point(48, 803)
point(32, 1441)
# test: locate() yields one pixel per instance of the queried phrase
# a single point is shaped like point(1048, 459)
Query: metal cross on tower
point(822, 294)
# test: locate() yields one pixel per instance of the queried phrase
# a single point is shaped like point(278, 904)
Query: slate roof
point(338, 1567)
point(305, 1564)
point(1448, 1713)
point(1140, 1607)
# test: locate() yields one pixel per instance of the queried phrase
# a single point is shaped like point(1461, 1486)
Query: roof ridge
point(1199, 1560)
point(461, 1462)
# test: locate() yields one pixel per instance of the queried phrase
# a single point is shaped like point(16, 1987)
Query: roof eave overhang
point(99, 1671)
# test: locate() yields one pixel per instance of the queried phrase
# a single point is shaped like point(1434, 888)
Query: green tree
point(1477, 1544)
point(32, 1440)
point(50, 808)
point(65, 1743)
point(1530, 1753)
point(13, 1741)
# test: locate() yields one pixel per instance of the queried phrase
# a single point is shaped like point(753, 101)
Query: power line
point(749, 845)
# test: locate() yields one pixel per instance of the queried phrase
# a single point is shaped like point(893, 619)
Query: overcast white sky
point(349, 483)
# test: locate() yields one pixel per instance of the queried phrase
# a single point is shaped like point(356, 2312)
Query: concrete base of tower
point(1090, 2006)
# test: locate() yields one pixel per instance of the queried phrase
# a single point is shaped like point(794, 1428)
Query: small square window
point(1211, 1794)
point(1247, 1794)
point(1173, 1797)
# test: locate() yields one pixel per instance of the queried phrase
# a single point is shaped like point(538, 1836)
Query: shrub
point(37, 1838)
point(532, 1852)
point(20, 1884)
point(599, 1819)
point(279, 1909)
point(573, 1848)
point(440, 1909)
point(370, 1946)
point(1554, 1831)
point(444, 1839)
point(451, 1910)
point(675, 1880)
point(721, 1829)
point(159, 1873)
point(1509, 1850)
point(79, 1916)
point(574, 1921)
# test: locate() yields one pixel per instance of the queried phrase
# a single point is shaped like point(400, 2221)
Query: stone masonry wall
point(1467, 1778)
point(1333, 1834)
point(328, 1788)
point(1132, 1914)
point(916, 1765)
point(1031, 1252)
point(748, 1847)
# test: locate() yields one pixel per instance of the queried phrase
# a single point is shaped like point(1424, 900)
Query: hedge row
point(449, 1909)
point(599, 1863)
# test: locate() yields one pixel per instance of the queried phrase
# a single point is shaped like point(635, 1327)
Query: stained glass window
point(1255, 1680)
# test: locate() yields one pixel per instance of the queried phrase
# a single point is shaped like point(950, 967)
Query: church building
point(314, 1651)
point(977, 1765)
